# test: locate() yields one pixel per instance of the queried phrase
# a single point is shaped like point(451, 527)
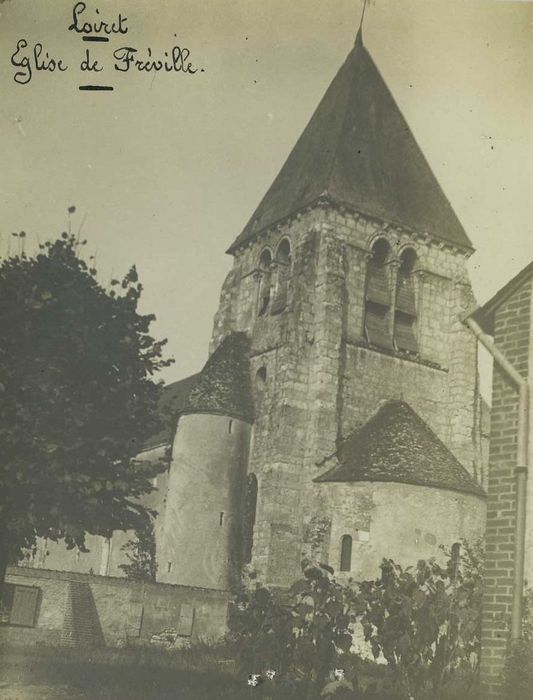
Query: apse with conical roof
point(396, 445)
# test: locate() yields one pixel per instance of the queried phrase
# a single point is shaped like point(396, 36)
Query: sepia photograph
point(266, 347)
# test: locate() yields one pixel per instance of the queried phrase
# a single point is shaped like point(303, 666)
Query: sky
point(166, 169)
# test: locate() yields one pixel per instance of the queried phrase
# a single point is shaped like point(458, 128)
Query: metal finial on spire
point(365, 3)
point(359, 36)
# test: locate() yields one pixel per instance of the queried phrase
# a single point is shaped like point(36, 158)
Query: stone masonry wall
point(127, 610)
point(199, 542)
point(403, 522)
point(322, 381)
point(513, 336)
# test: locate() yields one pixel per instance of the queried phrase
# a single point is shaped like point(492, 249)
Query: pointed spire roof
point(224, 387)
point(397, 445)
point(358, 150)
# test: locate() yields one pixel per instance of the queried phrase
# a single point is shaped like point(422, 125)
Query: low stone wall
point(84, 610)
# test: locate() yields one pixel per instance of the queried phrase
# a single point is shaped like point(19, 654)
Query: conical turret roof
point(359, 151)
point(224, 387)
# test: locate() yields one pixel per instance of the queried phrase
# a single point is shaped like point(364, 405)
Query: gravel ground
point(20, 691)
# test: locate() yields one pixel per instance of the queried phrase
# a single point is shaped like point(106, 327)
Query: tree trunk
point(4, 553)
point(3, 563)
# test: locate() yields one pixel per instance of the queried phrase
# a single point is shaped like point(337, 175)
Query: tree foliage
point(140, 552)
point(518, 673)
point(77, 400)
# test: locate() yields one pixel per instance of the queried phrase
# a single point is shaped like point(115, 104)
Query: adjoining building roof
point(224, 387)
point(359, 151)
point(397, 445)
point(172, 402)
point(484, 316)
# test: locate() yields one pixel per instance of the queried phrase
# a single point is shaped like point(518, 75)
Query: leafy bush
point(424, 622)
point(140, 552)
point(302, 633)
point(518, 673)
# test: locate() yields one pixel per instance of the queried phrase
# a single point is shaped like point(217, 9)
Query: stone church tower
point(350, 280)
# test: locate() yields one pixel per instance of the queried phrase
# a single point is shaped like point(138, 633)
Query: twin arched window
point(390, 306)
point(274, 279)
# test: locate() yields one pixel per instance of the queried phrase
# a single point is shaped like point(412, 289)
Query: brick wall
point(75, 608)
point(512, 331)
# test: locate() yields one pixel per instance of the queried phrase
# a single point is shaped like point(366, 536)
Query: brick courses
point(512, 335)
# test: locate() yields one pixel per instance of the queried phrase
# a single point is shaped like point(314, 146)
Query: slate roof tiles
point(397, 445)
point(224, 386)
point(358, 150)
